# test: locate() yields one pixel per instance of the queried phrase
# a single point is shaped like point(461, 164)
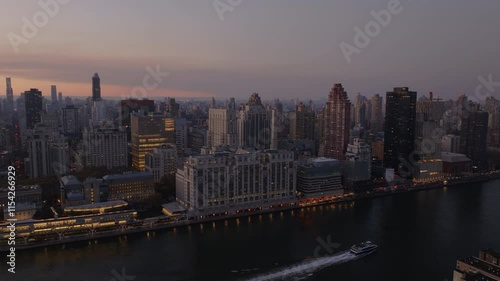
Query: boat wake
point(306, 268)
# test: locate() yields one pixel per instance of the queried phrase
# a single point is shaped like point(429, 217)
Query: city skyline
point(229, 62)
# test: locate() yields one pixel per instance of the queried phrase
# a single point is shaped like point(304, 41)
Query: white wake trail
point(306, 267)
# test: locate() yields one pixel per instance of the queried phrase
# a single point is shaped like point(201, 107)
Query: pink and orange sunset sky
point(283, 48)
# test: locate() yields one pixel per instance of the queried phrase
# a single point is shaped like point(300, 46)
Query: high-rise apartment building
point(181, 130)
point(473, 136)
point(70, 118)
point(254, 124)
point(172, 109)
point(399, 136)
point(149, 132)
point(361, 111)
point(105, 146)
point(53, 94)
point(9, 105)
point(302, 123)
point(492, 106)
point(336, 115)
point(33, 107)
point(130, 106)
point(48, 152)
point(377, 115)
point(428, 134)
point(222, 127)
point(162, 161)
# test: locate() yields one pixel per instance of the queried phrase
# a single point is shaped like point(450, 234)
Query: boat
point(363, 248)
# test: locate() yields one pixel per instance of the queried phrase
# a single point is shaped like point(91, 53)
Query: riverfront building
point(28, 201)
point(319, 177)
point(399, 136)
point(131, 187)
point(65, 227)
point(357, 165)
point(473, 136)
point(455, 164)
point(232, 182)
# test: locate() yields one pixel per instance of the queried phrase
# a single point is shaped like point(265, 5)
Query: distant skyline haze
point(279, 49)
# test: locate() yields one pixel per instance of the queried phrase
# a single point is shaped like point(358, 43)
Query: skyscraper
point(48, 152)
point(149, 132)
point(172, 109)
point(71, 120)
point(336, 115)
point(377, 116)
point(96, 87)
point(429, 133)
point(473, 136)
point(9, 108)
point(33, 106)
point(361, 111)
point(222, 127)
point(133, 105)
point(302, 123)
point(254, 124)
point(399, 137)
point(53, 94)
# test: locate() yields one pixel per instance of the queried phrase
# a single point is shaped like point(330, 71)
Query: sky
point(280, 48)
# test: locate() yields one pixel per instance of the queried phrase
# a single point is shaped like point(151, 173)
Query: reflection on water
point(430, 229)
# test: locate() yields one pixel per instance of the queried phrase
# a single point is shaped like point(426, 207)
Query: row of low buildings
point(486, 267)
point(240, 179)
point(132, 187)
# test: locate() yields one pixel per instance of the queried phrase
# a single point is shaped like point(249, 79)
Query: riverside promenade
point(151, 225)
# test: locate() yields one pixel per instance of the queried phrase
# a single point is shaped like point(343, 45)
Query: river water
point(420, 236)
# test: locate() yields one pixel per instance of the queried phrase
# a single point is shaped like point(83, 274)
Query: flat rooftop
point(173, 208)
point(482, 265)
point(97, 206)
point(127, 175)
point(453, 157)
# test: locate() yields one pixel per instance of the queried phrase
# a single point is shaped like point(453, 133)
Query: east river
point(420, 236)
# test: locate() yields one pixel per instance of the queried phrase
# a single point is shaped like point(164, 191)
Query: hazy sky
point(279, 48)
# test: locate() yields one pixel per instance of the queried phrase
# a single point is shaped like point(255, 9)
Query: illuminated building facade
point(232, 182)
point(149, 132)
